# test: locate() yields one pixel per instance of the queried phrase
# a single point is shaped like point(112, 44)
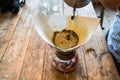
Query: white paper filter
point(84, 27)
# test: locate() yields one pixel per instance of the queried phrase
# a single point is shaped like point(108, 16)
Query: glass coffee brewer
point(65, 35)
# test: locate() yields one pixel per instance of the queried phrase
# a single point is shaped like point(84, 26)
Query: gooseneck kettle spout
point(76, 4)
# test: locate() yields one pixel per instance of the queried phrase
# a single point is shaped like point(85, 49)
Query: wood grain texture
point(99, 62)
point(8, 24)
point(32, 68)
point(10, 66)
point(28, 57)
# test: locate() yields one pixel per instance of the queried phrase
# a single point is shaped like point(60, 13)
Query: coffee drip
point(76, 4)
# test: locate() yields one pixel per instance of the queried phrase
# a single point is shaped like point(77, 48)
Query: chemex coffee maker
point(65, 34)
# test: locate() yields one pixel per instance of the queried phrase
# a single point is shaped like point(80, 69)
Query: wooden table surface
point(25, 56)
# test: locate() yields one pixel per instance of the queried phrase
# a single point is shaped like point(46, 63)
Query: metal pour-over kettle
point(77, 3)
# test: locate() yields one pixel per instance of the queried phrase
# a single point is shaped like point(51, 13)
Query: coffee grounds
point(65, 39)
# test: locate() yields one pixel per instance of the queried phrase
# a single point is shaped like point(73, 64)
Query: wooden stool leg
point(102, 16)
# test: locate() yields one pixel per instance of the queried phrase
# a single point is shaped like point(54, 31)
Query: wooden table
point(25, 56)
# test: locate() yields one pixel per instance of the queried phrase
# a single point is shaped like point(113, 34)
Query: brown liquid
point(65, 39)
point(65, 65)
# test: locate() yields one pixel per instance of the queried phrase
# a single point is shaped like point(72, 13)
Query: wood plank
point(11, 65)
point(8, 24)
point(107, 60)
point(99, 63)
point(34, 59)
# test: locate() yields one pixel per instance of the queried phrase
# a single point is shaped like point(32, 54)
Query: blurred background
point(106, 9)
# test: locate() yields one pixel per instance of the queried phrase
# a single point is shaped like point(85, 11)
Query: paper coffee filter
point(84, 27)
point(47, 25)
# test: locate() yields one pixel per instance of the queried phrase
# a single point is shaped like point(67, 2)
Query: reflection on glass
point(49, 7)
